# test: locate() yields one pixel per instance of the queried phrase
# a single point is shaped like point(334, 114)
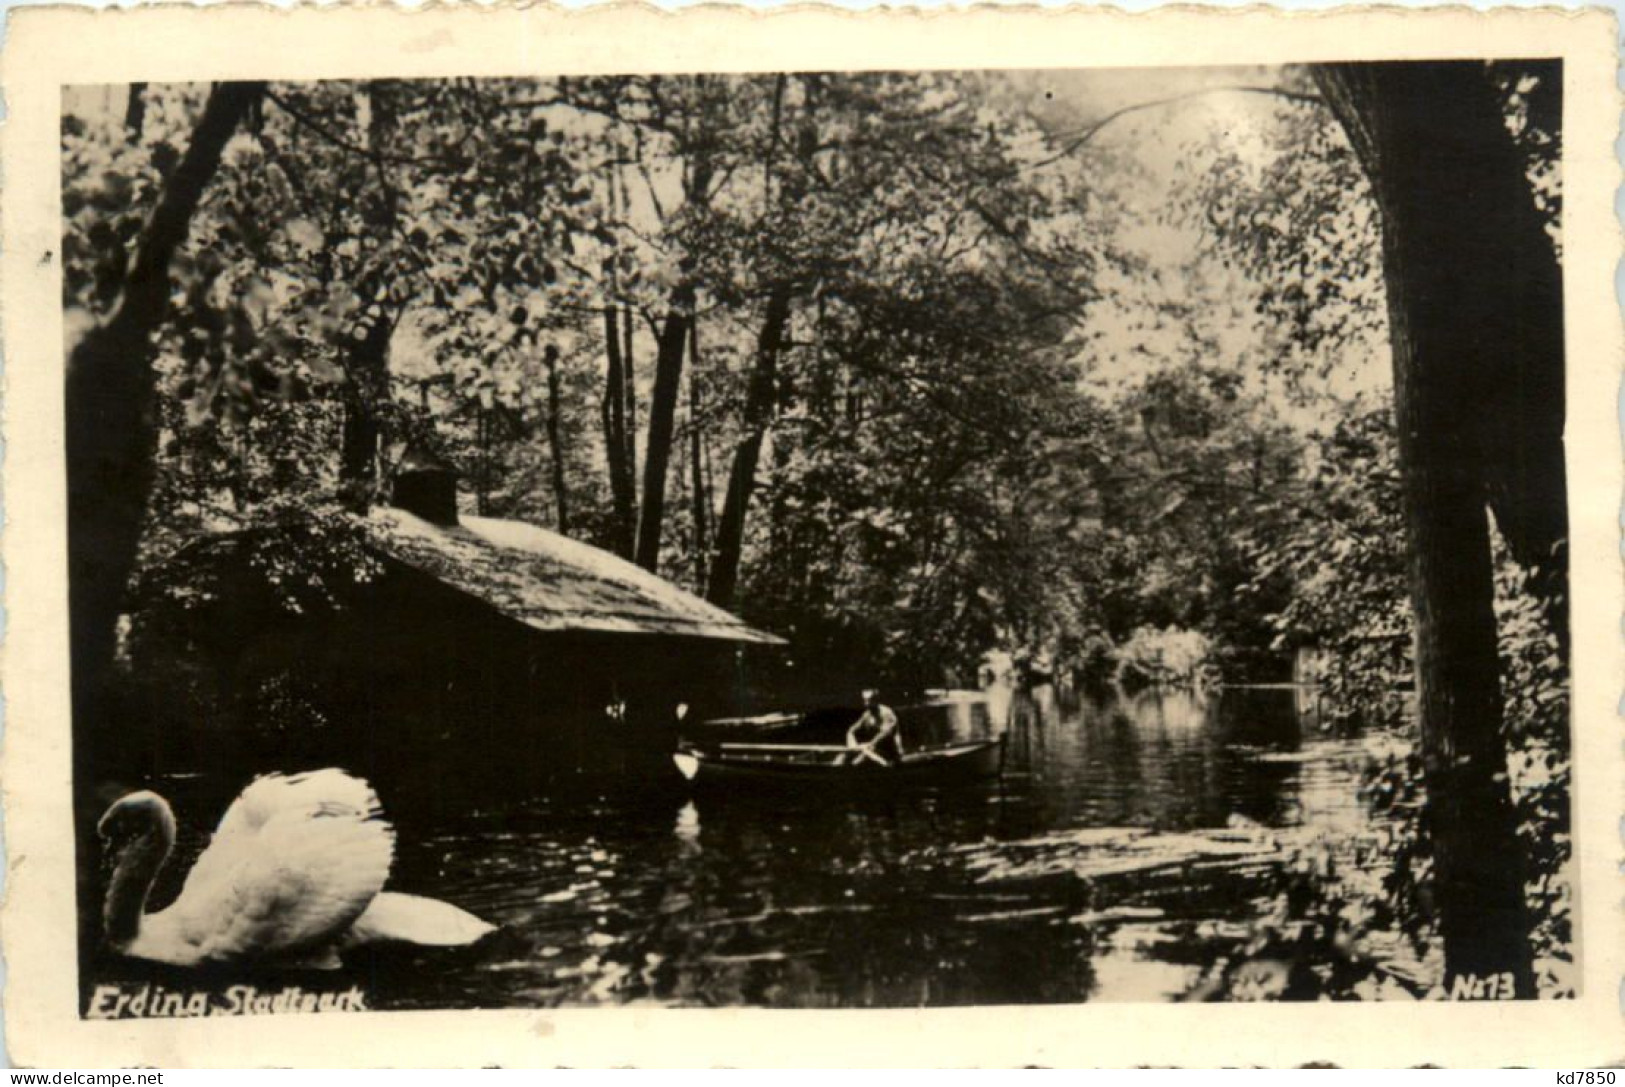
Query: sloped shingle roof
point(551, 582)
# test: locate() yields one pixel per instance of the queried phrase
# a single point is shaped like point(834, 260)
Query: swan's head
point(137, 833)
point(138, 817)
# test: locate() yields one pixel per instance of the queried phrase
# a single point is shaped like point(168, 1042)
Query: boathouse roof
point(542, 579)
point(523, 572)
point(548, 581)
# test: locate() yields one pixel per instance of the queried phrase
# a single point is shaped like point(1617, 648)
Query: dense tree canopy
point(922, 364)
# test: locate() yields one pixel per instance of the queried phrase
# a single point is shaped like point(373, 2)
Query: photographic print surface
point(653, 540)
point(819, 539)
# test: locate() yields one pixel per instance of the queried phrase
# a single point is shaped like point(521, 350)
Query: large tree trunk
point(621, 480)
point(1528, 479)
point(110, 409)
point(760, 400)
point(1458, 260)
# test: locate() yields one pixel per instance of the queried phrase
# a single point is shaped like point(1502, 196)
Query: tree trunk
point(368, 385)
point(762, 395)
point(672, 346)
point(621, 480)
point(629, 392)
point(619, 455)
point(555, 440)
point(760, 400)
point(1430, 137)
point(625, 389)
point(110, 409)
point(1524, 434)
point(135, 110)
point(367, 365)
point(699, 493)
point(662, 423)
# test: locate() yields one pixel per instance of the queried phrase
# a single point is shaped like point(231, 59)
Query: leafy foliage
point(1340, 554)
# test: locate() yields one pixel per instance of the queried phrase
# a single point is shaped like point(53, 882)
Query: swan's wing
point(289, 870)
point(416, 920)
point(305, 880)
point(331, 792)
point(275, 794)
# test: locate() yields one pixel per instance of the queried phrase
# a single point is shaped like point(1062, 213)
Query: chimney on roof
point(426, 486)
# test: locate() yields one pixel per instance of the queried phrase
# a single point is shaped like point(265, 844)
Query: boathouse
point(413, 636)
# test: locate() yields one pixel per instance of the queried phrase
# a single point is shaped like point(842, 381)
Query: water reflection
point(688, 830)
point(822, 901)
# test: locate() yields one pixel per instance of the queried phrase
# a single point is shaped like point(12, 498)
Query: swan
point(294, 874)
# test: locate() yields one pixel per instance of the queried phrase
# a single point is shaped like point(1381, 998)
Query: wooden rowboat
point(796, 766)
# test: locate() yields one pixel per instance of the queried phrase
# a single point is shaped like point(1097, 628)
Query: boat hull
point(952, 764)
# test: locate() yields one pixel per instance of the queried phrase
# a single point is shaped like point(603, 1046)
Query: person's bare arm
point(852, 733)
point(888, 725)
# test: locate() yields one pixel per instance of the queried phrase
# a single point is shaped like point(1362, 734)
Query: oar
point(825, 748)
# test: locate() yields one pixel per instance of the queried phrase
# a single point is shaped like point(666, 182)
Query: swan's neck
point(133, 875)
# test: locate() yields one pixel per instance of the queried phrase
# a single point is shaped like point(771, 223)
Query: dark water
point(823, 901)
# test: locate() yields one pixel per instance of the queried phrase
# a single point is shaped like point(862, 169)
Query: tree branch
point(1082, 136)
point(302, 118)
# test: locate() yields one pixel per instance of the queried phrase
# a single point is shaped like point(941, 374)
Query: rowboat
point(797, 766)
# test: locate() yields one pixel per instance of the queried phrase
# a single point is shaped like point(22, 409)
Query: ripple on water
point(1084, 875)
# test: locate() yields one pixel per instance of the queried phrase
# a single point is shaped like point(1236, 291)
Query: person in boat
point(874, 737)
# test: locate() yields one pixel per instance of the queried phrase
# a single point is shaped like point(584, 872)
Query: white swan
point(294, 872)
